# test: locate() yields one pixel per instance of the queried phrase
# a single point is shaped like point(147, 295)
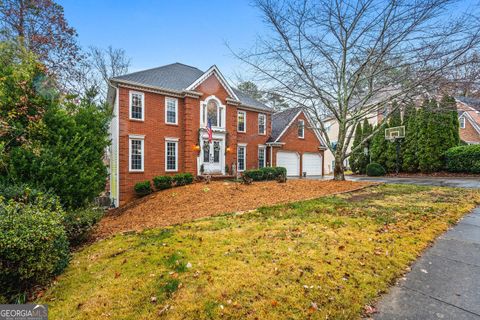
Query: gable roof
point(281, 120)
point(178, 78)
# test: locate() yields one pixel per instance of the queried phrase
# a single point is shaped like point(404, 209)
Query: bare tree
point(94, 72)
point(349, 59)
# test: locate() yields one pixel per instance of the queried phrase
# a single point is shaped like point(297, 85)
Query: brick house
point(160, 127)
point(469, 119)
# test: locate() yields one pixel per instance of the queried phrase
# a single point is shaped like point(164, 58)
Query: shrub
point(181, 179)
point(79, 223)
point(375, 170)
point(162, 182)
point(280, 171)
point(269, 173)
point(463, 159)
point(254, 174)
point(33, 245)
point(265, 173)
point(143, 188)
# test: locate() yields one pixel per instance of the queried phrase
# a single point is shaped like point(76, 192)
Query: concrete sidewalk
point(445, 282)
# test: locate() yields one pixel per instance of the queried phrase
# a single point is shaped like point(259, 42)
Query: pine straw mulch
point(199, 200)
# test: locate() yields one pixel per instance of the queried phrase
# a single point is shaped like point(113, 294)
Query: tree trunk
point(338, 171)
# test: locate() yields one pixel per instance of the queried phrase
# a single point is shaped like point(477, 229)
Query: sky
point(155, 33)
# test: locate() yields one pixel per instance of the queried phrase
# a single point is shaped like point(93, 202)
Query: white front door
point(212, 156)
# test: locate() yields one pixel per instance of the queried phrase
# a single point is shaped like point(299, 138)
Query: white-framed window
point(136, 153)
point(262, 124)
point(171, 110)
point(241, 121)
point(301, 129)
point(212, 111)
point(137, 105)
point(461, 120)
point(171, 154)
point(262, 151)
point(241, 158)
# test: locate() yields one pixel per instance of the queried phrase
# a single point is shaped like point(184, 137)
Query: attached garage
point(289, 160)
point(312, 164)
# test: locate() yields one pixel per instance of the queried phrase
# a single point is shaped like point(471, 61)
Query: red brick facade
point(469, 133)
point(154, 129)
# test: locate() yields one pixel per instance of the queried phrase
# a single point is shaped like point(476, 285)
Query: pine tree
point(367, 130)
point(432, 134)
point(355, 157)
point(391, 150)
point(449, 106)
point(378, 146)
point(410, 144)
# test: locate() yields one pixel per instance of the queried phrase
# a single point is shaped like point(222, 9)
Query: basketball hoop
point(396, 134)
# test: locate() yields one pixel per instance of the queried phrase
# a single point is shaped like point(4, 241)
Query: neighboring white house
point(331, 125)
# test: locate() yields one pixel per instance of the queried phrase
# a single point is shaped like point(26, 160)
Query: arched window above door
point(212, 111)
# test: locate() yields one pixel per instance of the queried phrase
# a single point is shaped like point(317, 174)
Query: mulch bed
point(199, 200)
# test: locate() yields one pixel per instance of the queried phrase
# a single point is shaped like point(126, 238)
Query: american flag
point(209, 131)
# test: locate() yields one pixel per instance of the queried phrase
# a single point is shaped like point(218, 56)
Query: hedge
point(162, 182)
point(33, 246)
point(375, 170)
point(79, 223)
point(266, 173)
point(463, 159)
point(143, 188)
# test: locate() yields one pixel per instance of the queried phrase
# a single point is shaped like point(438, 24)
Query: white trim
point(244, 146)
point(244, 121)
point(175, 141)
point(264, 147)
point(303, 128)
point(176, 110)
point(172, 139)
point(130, 94)
point(472, 121)
point(461, 120)
point(264, 124)
point(221, 113)
point(142, 145)
point(213, 70)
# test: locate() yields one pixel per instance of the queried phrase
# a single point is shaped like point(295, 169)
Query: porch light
point(196, 147)
point(229, 149)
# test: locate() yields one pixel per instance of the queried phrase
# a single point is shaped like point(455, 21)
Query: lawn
point(324, 259)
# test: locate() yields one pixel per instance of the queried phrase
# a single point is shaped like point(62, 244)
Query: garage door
point(289, 160)
point(312, 164)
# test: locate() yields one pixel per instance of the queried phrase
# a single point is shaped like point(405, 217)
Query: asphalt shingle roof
point(178, 77)
point(472, 102)
point(280, 121)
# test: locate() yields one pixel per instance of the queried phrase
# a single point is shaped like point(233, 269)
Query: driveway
point(459, 182)
point(445, 282)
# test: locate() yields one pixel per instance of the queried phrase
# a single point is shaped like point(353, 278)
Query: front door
point(212, 156)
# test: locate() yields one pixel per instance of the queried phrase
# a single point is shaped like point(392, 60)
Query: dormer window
point(213, 113)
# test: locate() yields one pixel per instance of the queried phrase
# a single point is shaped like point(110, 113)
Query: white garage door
point(312, 164)
point(289, 160)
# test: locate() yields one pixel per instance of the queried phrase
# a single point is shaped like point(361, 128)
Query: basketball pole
point(398, 156)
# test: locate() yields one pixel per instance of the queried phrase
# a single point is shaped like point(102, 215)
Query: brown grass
point(199, 200)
